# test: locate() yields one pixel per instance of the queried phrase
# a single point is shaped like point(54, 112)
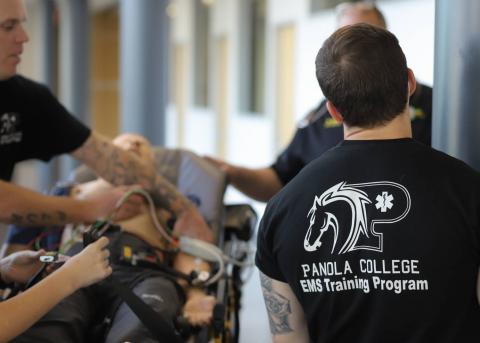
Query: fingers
point(108, 271)
point(199, 312)
point(198, 319)
point(101, 243)
point(106, 254)
point(40, 253)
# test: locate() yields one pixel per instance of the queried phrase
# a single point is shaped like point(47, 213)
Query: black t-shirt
point(33, 124)
point(379, 241)
point(319, 132)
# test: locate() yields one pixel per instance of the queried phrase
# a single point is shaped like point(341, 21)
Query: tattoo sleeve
point(32, 218)
point(278, 307)
point(123, 168)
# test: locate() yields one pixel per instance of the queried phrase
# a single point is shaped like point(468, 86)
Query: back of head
point(362, 70)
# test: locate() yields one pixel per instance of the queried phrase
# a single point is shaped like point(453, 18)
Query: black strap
point(158, 326)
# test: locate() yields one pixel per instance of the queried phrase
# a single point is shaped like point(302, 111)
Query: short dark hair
point(362, 70)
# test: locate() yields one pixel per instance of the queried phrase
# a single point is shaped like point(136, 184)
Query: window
point(252, 56)
point(201, 48)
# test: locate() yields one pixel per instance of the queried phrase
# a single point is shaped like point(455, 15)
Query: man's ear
point(412, 83)
point(334, 112)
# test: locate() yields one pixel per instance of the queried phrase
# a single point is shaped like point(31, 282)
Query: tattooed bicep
point(285, 313)
point(278, 307)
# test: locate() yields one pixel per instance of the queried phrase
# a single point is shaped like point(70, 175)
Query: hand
point(191, 224)
point(105, 203)
point(198, 309)
point(90, 265)
point(21, 266)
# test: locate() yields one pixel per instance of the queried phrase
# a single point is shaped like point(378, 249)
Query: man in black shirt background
point(377, 240)
point(318, 132)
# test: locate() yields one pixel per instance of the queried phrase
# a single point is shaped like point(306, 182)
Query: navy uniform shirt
point(319, 132)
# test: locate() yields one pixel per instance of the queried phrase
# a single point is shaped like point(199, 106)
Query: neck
point(399, 127)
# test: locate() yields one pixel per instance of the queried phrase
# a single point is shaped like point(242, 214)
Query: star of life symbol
point(384, 202)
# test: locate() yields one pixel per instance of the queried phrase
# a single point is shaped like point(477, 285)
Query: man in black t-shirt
point(318, 132)
point(33, 124)
point(377, 240)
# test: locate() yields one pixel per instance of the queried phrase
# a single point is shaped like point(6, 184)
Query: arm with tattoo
point(120, 167)
point(285, 314)
point(24, 207)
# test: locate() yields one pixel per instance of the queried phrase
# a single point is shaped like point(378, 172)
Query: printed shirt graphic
point(372, 206)
point(9, 128)
point(34, 125)
point(361, 229)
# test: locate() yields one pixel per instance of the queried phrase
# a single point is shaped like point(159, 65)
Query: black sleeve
point(294, 157)
point(289, 163)
point(55, 131)
point(265, 255)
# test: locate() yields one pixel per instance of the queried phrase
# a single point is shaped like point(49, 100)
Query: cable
point(191, 246)
point(169, 238)
point(205, 251)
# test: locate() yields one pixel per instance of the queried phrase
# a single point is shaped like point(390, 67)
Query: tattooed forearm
point(124, 168)
point(30, 219)
point(278, 307)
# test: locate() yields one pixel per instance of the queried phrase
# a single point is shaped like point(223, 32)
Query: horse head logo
point(361, 234)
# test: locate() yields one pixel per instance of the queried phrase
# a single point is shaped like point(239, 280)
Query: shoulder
point(421, 101)
point(317, 116)
point(443, 165)
point(24, 82)
point(29, 87)
point(448, 160)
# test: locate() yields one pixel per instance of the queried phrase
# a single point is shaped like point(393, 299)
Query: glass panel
point(200, 59)
point(252, 59)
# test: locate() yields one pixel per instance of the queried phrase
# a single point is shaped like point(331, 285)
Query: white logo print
point(9, 123)
point(384, 201)
point(357, 232)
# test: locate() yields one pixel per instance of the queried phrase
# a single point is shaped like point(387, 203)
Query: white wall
point(412, 21)
point(251, 138)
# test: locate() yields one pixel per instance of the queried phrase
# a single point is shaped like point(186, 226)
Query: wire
point(169, 238)
point(219, 256)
